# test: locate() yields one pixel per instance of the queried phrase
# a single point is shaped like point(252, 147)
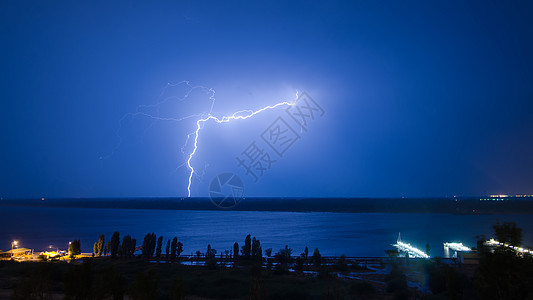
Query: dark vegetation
point(503, 273)
point(74, 248)
point(236, 274)
point(138, 279)
point(397, 283)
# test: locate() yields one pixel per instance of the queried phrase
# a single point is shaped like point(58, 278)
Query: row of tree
point(114, 247)
point(173, 249)
point(250, 251)
point(127, 248)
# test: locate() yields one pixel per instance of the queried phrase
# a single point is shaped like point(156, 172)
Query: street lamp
point(13, 243)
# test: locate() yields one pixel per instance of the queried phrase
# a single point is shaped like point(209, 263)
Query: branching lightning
point(240, 115)
point(202, 119)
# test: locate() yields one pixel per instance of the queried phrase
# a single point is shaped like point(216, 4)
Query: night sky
point(419, 99)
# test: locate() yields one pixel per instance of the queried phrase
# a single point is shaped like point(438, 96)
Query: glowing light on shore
point(457, 247)
point(409, 249)
point(413, 251)
point(495, 243)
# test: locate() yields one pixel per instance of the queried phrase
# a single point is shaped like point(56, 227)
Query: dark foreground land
point(498, 276)
point(453, 205)
point(106, 278)
point(492, 272)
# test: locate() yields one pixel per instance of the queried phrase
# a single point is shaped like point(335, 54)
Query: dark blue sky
point(421, 98)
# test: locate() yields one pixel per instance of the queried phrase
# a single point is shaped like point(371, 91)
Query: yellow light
point(15, 243)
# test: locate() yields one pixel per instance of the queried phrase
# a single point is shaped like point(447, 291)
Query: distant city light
point(503, 197)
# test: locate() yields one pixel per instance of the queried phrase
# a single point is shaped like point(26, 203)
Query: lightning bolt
point(203, 118)
point(239, 115)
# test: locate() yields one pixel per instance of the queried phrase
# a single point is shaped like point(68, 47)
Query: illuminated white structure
point(410, 250)
point(495, 243)
point(457, 247)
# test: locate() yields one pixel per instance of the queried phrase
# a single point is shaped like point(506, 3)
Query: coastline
point(461, 206)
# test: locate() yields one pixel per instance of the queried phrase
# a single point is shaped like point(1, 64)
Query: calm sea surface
point(353, 234)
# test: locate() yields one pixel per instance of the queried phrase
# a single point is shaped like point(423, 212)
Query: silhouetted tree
point(114, 244)
point(149, 245)
point(210, 252)
point(210, 257)
point(168, 251)
point(127, 246)
point(173, 248)
point(95, 249)
point(236, 251)
point(428, 249)
point(158, 249)
point(306, 252)
point(101, 243)
point(74, 248)
point(508, 232)
point(106, 248)
point(341, 264)
point(268, 252)
point(176, 248)
point(179, 249)
point(300, 262)
point(317, 258)
point(284, 255)
point(257, 252)
point(282, 258)
point(133, 245)
point(480, 243)
point(504, 274)
point(247, 248)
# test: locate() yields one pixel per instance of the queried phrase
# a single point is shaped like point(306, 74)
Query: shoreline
point(456, 206)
